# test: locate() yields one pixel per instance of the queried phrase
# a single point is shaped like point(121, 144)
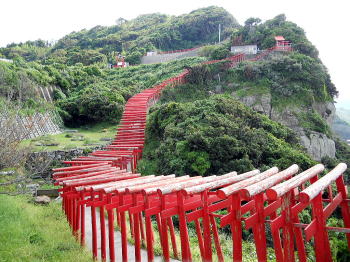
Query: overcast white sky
point(325, 22)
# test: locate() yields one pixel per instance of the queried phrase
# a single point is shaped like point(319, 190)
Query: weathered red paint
point(107, 179)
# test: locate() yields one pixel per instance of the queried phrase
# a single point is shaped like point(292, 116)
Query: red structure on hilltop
point(282, 44)
point(120, 61)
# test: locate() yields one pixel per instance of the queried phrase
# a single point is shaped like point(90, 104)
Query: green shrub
point(291, 78)
point(313, 121)
point(93, 104)
point(218, 135)
point(215, 52)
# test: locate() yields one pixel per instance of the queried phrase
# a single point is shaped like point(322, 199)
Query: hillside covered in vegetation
point(273, 112)
point(215, 136)
point(293, 88)
point(130, 38)
point(206, 133)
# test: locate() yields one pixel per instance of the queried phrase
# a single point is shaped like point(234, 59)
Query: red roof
point(279, 38)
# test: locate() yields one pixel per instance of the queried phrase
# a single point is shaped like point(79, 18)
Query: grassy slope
point(89, 137)
point(31, 232)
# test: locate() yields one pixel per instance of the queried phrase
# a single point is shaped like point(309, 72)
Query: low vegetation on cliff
point(214, 136)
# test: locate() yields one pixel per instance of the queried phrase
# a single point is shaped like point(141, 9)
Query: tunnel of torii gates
point(106, 182)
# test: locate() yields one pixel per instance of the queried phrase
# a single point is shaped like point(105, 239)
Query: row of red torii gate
point(142, 206)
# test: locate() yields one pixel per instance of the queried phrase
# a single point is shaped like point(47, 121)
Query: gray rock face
point(287, 117)
point(318, 145)
point(44, 200)
point(259, 103)
point(326, 110)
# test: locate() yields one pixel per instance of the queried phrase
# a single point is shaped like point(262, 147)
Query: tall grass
point(30, 232)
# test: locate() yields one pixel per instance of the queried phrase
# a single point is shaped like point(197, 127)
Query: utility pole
point(219, 33)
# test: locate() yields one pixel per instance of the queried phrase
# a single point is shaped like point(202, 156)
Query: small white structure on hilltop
point(151, 53)
point(245, 49)
point(6, 60)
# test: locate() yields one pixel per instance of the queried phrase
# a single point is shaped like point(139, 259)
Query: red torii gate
point(101, 180)
point(270, 197)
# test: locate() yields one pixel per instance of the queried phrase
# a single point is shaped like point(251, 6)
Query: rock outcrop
point(43, 161)
point(318, 145)
point(326, 110)
point(43, 200)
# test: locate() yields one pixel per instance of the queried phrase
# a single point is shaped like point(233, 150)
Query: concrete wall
point(245, 49)
point(161, 58)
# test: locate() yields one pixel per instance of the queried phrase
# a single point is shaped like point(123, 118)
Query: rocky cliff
point(317, 144)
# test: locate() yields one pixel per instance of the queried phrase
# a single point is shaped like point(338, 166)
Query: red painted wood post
point(206, 228)
point(200, 237)
point(94, 232)
point(131, 224)
point(160, 228)
point(123, 232)
point(118, 218)
point(75, 199)
point(173, 237)
point(82, 223)
point(288, 236)
point(298, 234)
point(136, 223)
point(77, 219)
point(110, 229)
point(185, 247)
point(259, 229)
point(165, 241)
point(149, 231)
point(345, 210)
point(216, 239)
point(322, 248)
point(276, 236)
point(290, 231)
point(70, 209)
point(142, 230)
point(236, 228)
point(103, 230)
point(73, 213)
